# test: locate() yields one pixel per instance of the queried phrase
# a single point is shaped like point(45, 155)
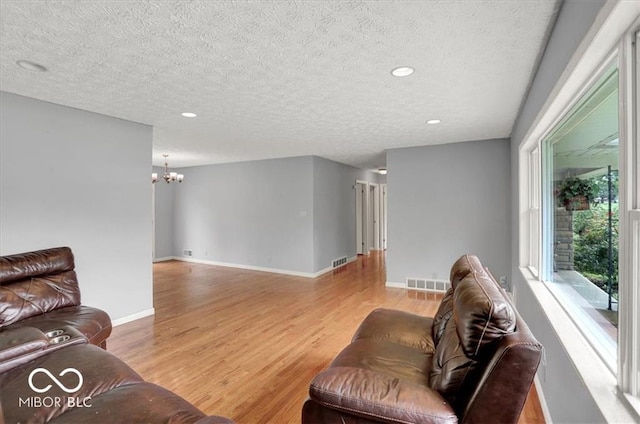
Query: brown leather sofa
point(474, 362)
point(40, 290)
point(51, 370)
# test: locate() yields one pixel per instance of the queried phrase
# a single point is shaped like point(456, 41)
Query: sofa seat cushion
point(383, 357)
point(315, 413)
point(100, 372)
point(93, 323)
point(398, 327)
point(138, 403)
point(379, 396)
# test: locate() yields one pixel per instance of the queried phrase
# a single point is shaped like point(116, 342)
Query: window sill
point(598, 378)
point(581, 300)
point(634, 403)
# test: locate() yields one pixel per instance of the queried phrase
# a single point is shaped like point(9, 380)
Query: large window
point(579, 212)
point(580, 163)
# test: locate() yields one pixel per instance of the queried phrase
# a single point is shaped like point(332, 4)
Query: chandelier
point(168, 176)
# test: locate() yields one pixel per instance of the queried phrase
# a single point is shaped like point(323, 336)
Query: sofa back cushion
point(450, 366)
point(481, 317)
point(36, 282)
point(462, 267)
point(442, 317)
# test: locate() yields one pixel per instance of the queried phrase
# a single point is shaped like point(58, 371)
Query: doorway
point(371, 217)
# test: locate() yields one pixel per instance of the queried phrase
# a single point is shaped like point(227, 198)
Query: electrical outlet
point(503, 283)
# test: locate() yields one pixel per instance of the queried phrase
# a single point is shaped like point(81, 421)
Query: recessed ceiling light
point(189, 114)
point(402, 71)
point(31, 66)
point(382, 171)
point(433, 121)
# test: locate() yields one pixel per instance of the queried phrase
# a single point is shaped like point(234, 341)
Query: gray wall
point(290, 214)
point(566, 395)
point(334, 210)
point(445, 201)
point(79, 179)
point(257, 213)
point(163, 209)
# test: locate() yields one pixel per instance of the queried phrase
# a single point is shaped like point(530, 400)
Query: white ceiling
point(286, 78)
point(581, 140)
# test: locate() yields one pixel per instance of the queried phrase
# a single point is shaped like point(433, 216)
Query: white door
point(361, 217)
point(153, 222)
point(383, 217)
point(374, 216)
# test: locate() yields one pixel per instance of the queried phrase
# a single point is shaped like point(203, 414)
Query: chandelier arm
point(169, 176)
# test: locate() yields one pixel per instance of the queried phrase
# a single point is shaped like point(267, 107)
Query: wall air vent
point(339, 262)
point(428, 284)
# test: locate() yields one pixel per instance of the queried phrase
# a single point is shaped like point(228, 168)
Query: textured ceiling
point(286, 78)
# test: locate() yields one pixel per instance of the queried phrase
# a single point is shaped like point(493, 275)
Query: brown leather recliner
point(40, 289)
point(474, 362)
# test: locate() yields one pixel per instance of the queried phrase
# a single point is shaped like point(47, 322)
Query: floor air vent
point(339, 262)
point(429, 285)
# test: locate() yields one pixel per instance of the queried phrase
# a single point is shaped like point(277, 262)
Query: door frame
point(361, 197)
point(383, 216)
point(374, 216)
point(371, 216)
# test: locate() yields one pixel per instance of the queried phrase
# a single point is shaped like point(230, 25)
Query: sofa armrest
point(379, 396)
point(21, 341)
point(24, 344)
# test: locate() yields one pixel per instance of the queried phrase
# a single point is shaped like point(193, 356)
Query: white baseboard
point(543, 401)
point(163, 259)
point(322, 271)
point(248, 267)
point(395, 285)
point(330, 268)
point(133, 317)
point(259, 268)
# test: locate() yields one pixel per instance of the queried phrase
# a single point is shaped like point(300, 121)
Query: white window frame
point(629, 303)
point(602, 343)
point(612, 35)
point(535, 252)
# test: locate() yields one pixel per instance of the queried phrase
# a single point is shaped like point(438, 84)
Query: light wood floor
point(245, 344)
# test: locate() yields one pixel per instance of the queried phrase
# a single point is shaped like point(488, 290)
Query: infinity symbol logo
point(55, 380)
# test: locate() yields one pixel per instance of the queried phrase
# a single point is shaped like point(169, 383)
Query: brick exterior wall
point(563, 240)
